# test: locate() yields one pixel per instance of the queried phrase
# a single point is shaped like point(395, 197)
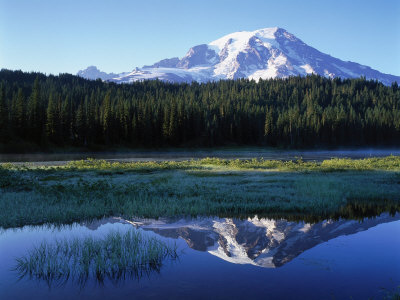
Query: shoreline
point(90, 189)
point(187, 154)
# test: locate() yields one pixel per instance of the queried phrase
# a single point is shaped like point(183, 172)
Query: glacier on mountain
point(266, 243)
point(260, 54)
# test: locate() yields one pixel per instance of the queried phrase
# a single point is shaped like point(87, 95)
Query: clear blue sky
point(54, 36)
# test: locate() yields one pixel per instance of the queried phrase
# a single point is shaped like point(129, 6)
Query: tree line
point(66, 110)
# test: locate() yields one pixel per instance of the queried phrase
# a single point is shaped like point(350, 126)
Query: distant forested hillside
point(69, 111)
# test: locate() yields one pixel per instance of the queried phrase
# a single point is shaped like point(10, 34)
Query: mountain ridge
point(261, 54)
point(266, 243)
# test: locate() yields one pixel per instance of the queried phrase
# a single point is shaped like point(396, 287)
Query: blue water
point(231, 259)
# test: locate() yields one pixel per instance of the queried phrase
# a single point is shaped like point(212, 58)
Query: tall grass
point(114, 257)
point(334, 164)
point(212, 187)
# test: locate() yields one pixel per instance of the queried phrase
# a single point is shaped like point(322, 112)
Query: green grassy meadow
point(87, 189)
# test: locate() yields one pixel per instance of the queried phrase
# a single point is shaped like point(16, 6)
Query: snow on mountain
point(93, 73)
point(265, 53)
point(266, 243)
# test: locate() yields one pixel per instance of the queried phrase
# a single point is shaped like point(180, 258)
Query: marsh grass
point(331, 165)
point(212, 174)
point(391, 294)
point(84, 190)
point(115, 257)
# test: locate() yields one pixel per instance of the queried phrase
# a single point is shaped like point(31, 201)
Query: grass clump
point(391, 294)
point(114, 257)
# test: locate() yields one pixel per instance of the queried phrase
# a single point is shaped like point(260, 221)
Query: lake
point(223, 258)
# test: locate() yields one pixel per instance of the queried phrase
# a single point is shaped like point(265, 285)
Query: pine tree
point(51, 119)
point(173, 125)
point(66, 121)
point(35, 113)
point(80, 125)
point(107, 118)
point(268, 125)
point(166, 124)
point(19, 114)
point(4, 130)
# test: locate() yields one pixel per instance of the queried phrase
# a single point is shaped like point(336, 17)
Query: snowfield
point(260, 54)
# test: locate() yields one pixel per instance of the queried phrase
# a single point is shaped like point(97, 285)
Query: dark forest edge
point(47, 113)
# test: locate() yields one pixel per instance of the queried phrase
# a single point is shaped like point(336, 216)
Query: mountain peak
point(265, 53)
point(92, 68)
point(242, 37)
point(92, 72)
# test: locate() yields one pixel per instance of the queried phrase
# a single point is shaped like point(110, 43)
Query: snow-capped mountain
point(93, 73)
point(265, 53)
point(262, 242)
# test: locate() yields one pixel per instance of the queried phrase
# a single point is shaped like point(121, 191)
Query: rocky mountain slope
point(265, 53)
point(266, 243)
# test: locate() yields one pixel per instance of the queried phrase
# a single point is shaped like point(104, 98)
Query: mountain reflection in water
point(266, 243)
point(253, 258)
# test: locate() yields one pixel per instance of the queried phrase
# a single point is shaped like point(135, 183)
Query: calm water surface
point(230, 259)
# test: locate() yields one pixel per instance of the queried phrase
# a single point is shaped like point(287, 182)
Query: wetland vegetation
point(114, 257)
point(87, 189)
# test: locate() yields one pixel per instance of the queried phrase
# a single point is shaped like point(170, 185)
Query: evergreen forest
point(48, 112)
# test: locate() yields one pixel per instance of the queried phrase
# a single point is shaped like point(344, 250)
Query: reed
point(116, 256)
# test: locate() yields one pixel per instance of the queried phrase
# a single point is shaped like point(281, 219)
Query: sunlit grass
point(114, 257)
point(210, 187)
point(334, 164)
